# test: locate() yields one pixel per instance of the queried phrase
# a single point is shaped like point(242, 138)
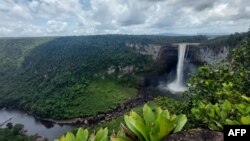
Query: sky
point(20, 18)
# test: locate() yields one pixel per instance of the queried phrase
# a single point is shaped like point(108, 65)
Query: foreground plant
point(220, 94)
point(83, 135)
point(219, 114)
point(154, 126)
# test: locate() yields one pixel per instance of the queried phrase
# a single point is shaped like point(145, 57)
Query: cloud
point(83, 17)
point(118, 13)
point(20, 11)
point(53, 26)
point(5, 30)
point(197, 5)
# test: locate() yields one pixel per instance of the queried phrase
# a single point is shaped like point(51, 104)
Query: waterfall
point(181, 57)
point(177, 85)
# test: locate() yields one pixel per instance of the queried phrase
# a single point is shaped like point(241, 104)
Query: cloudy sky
point(88, 17)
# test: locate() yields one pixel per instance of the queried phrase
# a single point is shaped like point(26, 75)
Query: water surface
point(33, 125)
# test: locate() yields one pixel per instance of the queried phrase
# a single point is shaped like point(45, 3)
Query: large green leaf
point(127, 132)
point(101, 134)
point(120, 139)
point(156, 128)
point(92, 137)
point(211, 113)
point(153, 137)
point(227, 106)
point(180, 121)
point(70, 137)
point(105, 135)
point(246, 98)
point(121, 133)
point(148, 115)
point(232, 122)
point(167, 114)
point(132, 128)
point(163, 126)
point(82, 135)
point(245, 120)
point(158, 111)
point(63, 138)
point(139, 124)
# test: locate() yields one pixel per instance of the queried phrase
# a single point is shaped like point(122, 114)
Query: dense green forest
point(14, 133)
point(226, 40)
point(57, 77)
point(124, 70)
point(61, 77)
point(218, 95)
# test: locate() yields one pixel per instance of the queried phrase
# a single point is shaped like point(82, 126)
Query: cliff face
point(168, 54)
point(164, 55)
point(149, 49)
point(212, 55)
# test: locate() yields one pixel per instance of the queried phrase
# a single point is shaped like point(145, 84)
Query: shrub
point(220, 94)
point(83, 135)
point(154, 126)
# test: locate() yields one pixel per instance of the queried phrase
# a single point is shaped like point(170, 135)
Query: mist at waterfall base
point(168, 80)
point(175, 82)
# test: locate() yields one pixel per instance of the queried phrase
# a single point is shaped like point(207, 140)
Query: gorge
point(62, 78)
point(52, 130)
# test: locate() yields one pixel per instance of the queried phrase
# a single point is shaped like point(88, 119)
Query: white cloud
point(33, 5)
point(20, 11)
point(6, 4)
point(5, 30)
point(77, 17)
point(53, 26)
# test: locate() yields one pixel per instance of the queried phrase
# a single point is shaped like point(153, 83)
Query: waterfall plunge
point(177, 85)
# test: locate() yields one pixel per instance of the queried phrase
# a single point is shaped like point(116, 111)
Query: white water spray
point(177, 85)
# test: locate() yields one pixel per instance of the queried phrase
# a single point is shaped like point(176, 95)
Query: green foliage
point(154, 126)
point(210, 83)
point(13, 51)
point(240, 62)
point(227, 40)
point(83, 135)
point(173, 105)
point(241, 55)
point(220, 94)
point(55, 69)
point(66, 105)
point(14, 133)
point(113, 125)
point(219, 114)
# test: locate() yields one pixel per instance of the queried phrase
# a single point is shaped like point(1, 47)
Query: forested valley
point(71, 77)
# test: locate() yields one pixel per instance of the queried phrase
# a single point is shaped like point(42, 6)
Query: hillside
point(61, 77)
point(69, 77)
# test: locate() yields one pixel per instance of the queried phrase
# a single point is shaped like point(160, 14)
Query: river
point(33, 125)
